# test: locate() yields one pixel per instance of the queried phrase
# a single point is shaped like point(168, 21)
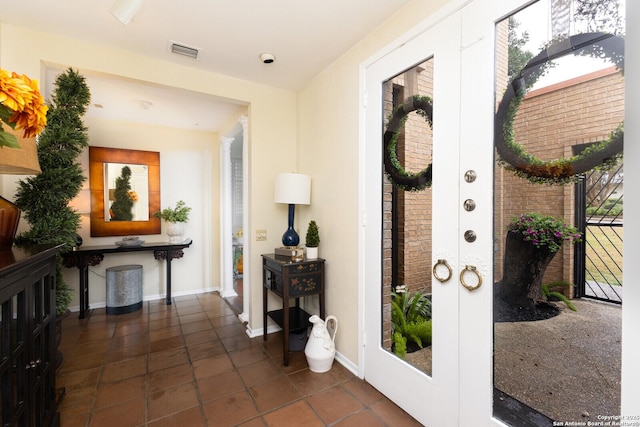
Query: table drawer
point(299, 284)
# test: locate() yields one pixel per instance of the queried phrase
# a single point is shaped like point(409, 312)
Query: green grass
point(604, 254)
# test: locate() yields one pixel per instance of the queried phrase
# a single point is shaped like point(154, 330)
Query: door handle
point(435, 270)
point(474, 270)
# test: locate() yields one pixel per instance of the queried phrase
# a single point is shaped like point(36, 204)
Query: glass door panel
point(560, 105)
point(406, 209)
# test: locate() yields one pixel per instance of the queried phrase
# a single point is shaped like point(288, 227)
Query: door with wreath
point(439, 204)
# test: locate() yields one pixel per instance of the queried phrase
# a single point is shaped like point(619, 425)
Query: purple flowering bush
point(544, 231)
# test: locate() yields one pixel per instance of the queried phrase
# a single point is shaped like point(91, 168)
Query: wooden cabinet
point(290, 280)
point(27, 336)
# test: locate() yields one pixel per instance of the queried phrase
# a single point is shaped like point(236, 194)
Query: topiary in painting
point(122, 203)
point(45, 198)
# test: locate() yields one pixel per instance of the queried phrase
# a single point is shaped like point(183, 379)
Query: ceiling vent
point(181, 49)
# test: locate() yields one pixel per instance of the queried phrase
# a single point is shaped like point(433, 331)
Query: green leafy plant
point(611, 207)
point(544, 230)
point(411, 321)
point(122, 203)
point(45, 198)
point(178, 214)
point(550, 294)
point(312, 240)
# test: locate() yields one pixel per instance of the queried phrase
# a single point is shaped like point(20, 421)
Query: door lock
point(469, 205)
point(470, 236)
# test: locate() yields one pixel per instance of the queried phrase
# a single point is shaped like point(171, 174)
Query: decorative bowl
point(130, 242)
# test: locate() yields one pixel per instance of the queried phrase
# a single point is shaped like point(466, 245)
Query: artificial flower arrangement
point(544, 231)
point(21, 107)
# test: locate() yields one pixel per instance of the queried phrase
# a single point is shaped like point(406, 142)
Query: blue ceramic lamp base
point(290, 238)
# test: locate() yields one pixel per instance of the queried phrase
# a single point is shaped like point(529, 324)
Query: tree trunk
point(524, 267)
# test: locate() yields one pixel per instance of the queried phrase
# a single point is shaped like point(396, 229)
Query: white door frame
point(226, 239)
point(431, 400)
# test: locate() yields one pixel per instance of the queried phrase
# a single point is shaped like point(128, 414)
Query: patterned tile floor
point(192, 364)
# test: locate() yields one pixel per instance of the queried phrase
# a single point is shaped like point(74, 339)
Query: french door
point(427, 199)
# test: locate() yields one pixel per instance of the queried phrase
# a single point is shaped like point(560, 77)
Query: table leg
point(168, 301)
point(264, 313)
point(84, 290)
point(285, 329)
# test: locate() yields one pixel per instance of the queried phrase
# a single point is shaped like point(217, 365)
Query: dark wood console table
point(86, 256)
point(287, 280)
point(28, 355)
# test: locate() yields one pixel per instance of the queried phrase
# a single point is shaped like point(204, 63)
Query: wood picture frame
point(100, 227)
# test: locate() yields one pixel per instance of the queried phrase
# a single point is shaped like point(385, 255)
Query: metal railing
point(599, 216)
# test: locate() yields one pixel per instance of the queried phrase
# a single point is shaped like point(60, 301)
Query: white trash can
point(124, 289)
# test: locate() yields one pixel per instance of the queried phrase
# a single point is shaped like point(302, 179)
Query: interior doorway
point(235, 251)
point(237, 215)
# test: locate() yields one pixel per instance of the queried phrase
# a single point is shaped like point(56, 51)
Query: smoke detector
point(267, 58)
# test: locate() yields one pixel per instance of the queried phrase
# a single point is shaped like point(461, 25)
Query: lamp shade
point(125, 10)
point(293, 189)
point(19, 161)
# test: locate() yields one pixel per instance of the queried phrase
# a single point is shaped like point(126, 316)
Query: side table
point(288, 279)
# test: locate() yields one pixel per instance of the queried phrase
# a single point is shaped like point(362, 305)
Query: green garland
point(396, 173)
point(513, 156)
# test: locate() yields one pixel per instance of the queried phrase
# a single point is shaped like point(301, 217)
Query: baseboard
point(103, 304)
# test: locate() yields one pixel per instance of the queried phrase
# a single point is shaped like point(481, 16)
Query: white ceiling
point(304, 36)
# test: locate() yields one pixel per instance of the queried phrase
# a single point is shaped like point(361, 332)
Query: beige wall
point(272, 147)
point(319, 134)
point(328, 138)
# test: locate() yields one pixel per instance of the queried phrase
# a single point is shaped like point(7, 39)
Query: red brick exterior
point(549, 123)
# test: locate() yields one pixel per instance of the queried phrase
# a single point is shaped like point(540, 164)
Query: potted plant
point(175, 219)
point(532, 242)
point(312, 240)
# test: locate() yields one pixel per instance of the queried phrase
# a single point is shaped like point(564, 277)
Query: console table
point(288, 279)
point(85, 256)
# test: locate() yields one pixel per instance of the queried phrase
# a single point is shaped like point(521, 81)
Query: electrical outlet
point(261, 235)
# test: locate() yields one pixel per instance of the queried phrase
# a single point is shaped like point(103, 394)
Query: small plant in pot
point(312, 240)
point(175, 219)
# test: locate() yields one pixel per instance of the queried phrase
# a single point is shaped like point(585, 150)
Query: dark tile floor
point(192, 364)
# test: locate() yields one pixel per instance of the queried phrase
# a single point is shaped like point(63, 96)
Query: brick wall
point(549, 123)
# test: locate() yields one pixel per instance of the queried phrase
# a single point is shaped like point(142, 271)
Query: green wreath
point(512, 155)
point(396, 173)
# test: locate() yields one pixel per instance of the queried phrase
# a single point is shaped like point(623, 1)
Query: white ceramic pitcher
point(320, 349)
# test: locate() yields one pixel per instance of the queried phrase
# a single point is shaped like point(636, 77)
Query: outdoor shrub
point(411, 321)
point(559, 295)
